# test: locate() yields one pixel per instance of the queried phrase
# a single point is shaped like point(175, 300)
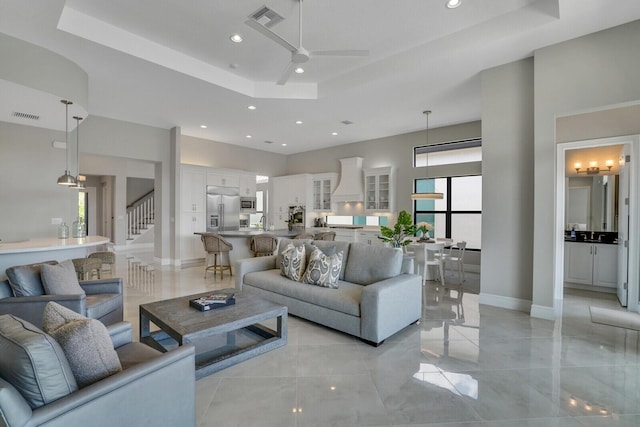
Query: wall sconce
point(593, 168)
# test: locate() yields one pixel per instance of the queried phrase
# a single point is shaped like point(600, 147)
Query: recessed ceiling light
point(248, 136)
point(251, 107)
point(299, 70)
point(203, 126)
point(284, 144)
point(298, 122)
point(236, 38)
point(452, 4)
point(334, 133)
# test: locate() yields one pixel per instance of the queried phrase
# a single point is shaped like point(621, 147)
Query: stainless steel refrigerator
point(223, 209)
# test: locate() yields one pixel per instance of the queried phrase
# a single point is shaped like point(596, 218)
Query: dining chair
point(424, 254)
point(457, 258)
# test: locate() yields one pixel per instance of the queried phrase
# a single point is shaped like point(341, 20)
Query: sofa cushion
point(135, 353)
point(337, 246)
point(99, 305)
point(370, 264)
point(14, 410)
point(323, 270)
point(345, 299)
point(25, 279)
point(61, 279)
point(33, 362)
point(293, 262)
point(85, 342)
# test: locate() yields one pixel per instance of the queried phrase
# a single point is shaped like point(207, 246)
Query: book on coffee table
point(217, 300)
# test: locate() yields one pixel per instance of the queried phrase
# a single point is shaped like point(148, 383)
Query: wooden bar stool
point(215, 245)
point(263, 244)
point(106, 258)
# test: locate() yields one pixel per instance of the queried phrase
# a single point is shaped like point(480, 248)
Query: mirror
point(592, 203)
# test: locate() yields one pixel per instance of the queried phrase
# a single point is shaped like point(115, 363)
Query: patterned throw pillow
point(323, 270)
point(293, 262)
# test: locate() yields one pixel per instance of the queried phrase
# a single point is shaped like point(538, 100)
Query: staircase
point(140, 217)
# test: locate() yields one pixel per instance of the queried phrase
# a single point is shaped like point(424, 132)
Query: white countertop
point(49, 244)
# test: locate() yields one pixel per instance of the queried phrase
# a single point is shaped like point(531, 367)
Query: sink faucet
point(263, 222)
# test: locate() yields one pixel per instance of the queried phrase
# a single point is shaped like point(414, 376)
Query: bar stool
point(325, 235)
point(86, 266)
point(263, 244)
point(304, 236)
point(215, 245)
point(106, 258)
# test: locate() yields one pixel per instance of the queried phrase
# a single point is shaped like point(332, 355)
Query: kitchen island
point(46, 249)
point(240, 240)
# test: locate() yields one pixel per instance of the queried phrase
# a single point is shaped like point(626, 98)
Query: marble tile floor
point(463, 365)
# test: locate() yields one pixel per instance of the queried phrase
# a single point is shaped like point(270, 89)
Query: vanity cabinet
point(323, 186)
point(379, 190)
point(591, 264)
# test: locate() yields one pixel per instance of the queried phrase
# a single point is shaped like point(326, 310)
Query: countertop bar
point(49, 244)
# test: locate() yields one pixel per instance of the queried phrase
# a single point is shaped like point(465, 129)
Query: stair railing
point(140, 214)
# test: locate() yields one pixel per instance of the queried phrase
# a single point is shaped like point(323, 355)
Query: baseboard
point(162, 261)
point(505, 302)
point(134, 247)
point(543, 312)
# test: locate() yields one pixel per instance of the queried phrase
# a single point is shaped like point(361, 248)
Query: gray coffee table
point(223, 336)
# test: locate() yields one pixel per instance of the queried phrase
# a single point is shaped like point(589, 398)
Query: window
point(458, 215)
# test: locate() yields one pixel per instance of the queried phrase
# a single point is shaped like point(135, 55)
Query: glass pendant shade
point(427, 196)
point(66, 179)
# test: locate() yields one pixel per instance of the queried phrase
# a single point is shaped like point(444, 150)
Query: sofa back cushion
point(14, 410)
point(33, 362)
point(61, 279)
point(25, 279)
point(331, 246)
point(370, 264)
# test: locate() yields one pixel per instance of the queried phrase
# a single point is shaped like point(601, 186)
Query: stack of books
point(217, 300)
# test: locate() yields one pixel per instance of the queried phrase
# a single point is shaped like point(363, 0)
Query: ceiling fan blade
point(268, 33)
point(286, 74)
point(339, 53)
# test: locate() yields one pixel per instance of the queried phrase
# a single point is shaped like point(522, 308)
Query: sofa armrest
point(120, 333)
point(390, 305)
point(250, 265)
point(102, 286)
point(31, 308)
point(158, 392)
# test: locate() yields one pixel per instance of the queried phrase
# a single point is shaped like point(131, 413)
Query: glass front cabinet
point(323, 186)
point(379, 189)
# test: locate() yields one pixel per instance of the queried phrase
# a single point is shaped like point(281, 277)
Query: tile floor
point(463, 365)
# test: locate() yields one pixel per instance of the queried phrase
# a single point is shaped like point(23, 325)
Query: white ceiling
point(166, 63)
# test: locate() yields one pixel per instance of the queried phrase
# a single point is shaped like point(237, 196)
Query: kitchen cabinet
point(226, 180)
point(379, 189)
point(290, 190)
point(192, 190)
point(323, 186)
point(192, 212)
point(345, 235)
point(591, 264)
point(247, 185)
point(369, 237)
point(191, 247)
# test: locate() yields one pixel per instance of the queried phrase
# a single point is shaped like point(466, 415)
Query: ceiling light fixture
point(66, 179)
point(251, 107)
point(236, 38)
point(427, 196)
point(299, 70)
point(284, 144)
point(452, 4)
point(79, 184)
point(248, 136)
point(298, 122)
point(593, 168)
point(203, 126)
point(334, 133)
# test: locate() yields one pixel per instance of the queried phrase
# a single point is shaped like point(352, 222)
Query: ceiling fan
point(264, 18)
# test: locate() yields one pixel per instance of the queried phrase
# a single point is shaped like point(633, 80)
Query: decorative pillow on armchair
point(85, 342)
point(293, 262)
point(323, 270)
point(61, 279)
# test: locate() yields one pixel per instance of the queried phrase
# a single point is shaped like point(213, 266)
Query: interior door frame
point(634, 208)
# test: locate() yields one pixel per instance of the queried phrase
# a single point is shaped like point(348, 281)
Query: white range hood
point(351, 187)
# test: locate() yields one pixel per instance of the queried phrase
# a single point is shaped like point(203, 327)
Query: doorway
point(627, 213)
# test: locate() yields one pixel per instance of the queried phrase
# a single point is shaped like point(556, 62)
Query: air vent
point(266, 17)
point(268, 142)
point(26, 116)
point(346, 122)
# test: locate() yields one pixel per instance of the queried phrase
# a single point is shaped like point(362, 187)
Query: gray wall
point(507, 185)
point(137, 188)
point(586, 73)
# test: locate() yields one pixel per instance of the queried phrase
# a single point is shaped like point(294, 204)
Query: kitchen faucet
point(263, 222)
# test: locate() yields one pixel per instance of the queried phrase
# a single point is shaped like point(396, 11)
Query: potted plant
point(423, 229)
point(399, 235)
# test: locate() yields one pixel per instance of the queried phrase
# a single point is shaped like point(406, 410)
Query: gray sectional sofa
point(376, 296)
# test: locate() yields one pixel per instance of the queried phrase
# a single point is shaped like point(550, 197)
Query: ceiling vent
point(346, 122)
point(26, 116)
point(351, 187)
point(266, 17)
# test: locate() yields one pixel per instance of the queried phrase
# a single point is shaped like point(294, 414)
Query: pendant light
point(79, 184)
point(427, 196)
point(66, 179)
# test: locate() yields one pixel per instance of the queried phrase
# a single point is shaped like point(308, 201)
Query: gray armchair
point(153, 389)
point(102, 300)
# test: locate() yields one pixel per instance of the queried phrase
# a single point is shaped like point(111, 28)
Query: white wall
point(507, 185)
point(587, 73)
